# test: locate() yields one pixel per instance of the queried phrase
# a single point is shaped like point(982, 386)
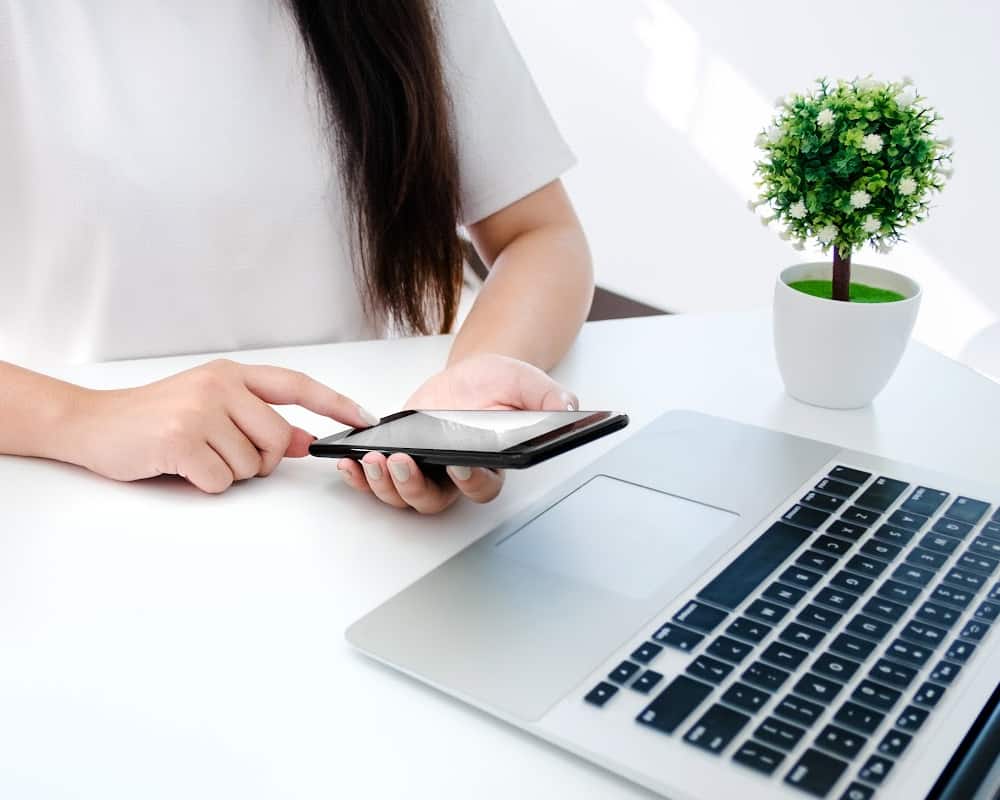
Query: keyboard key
point(646, 652)
point(758, 757)
point(716, 729)
point(950, 527)
point(840, 741)
point(729, 649)
point(974, 630)
point(908, 653)
point(991, 531)
point(898, 536)
point(894, 743)
point(860, 516)
point(964, 579)
point(900, 592)
point(982, 546)
point(894, 674)
point(836, 667)
point(819, 617)
point(834, 546)
point(967, 510)
point(867, 566)
point(912, 718)
point(709, 669)
point(858, 791)
point(601, 693)
point(749, 630)
point(984, 565)
point(805, 517)
point(745, 697)
point(918, 576)
point(960, 651)
point(700, 617)
point(850, 475)
point(779, 733)
point(994, 592)
point(738, 580)
point(815, 560)
point(908, 520)
point(945, 672)
point(765, 676)
point(645, 682)
point(928, 694)
point(766, 611)
point(876, 695)
point(886, 609)
point(852, 646)
point(882, 550)
point(994, 518)
point(923, 633)
point(957, 597)
point(816, 773)
point(798, 710)
point(845, 530)
point(836, 488)
point(783, 655)
point(804, 578)
point(814, 687)
point(875, 769)
point(842, 601)
point(801, 636)
point(780, 593)
point(674, 704)
point(858, 717)
point(676, 636)
point(987, 612)
point(925, 501)
point(863, 625)
point(882, 493)
point(623, 672)
point(926, 559)
point(824, 502)
point(849, 582)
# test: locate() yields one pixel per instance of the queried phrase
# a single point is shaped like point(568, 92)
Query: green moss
point(860, 293)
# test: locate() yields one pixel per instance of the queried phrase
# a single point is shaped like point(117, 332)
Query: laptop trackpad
point(617, 536)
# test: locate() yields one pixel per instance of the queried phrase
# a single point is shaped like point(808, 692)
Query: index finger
point(287, 387)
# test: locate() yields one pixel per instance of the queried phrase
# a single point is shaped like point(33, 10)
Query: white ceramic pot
point(836, 354)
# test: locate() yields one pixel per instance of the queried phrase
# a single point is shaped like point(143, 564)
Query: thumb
point(535, 390)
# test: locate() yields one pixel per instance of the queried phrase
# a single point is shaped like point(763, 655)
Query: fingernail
point(373, 471)
point(569, 401)
point(368, 416)
point(342, 464)
point(400, 471)
point(460, 473)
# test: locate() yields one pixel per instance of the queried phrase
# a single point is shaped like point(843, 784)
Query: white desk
point(158, 642)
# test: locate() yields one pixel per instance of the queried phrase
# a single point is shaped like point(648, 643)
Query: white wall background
point(661, 100)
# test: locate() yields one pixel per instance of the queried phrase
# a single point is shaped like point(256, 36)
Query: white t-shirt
point(166, 185)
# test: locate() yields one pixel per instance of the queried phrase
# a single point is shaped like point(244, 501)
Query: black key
point(845, 530)
point(765, 676)
point(858, 717)
point(908, 520)
point(928, 694)
point(876, 695)
point(779, 733)
point(645, 682)
point(709, 669)
point(700, 617)
point(601, 693)
point(676, 636)
point(900, 592)
point(834, 598)
point(960, 651)
point(757, 756)
point(894, 743)
point(864, 565)
point(818, 561)
point(674, 704)
point(836, 488)
point(797, 576)
point(716, 729)
point(882, 493)
point(925, 501)
point(805, 517)
point(785, 656)
point(816, 773)
point(967, 510)
point(837, 667)
point(729, 649)
point(623, 672)
point(745, 697)
point(951, 527)
point(815, 687)
point(646, 652)
point(849, 474)
point(840, 741)
point(882, 550)
point(886, 609)
point(766, 611)
point(863, 625)
point(982, 546)
point(894, 674)
point(991, 530)
point(926, 559)
point(908, 653)
point(858, 791)
point(819, 617)
point(832, 545)
point(912, 718)
point(953, 596)
point(899, 536)
point(796, 709)
point(964, 579)
point(875, 769)
point(984, 565)
point(974, 630)
point(852, 646)
point(994, 592)
point(801, 636)
point(780, 593)
point(737, 581)
point(824, 502)
point(860, 516)
point(749, 630)
point(987, 612)
point(918, 576)
point(850, 582)
point(996, 515)
point(945, 672)
point(923, 633)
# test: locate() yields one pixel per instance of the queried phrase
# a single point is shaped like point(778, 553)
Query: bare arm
point(34, 412)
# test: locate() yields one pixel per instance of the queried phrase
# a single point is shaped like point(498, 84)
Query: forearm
point(34, 412)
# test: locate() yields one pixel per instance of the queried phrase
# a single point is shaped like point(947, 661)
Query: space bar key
point(735, 583)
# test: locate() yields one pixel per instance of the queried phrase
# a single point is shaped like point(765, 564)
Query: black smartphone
point(496, 439)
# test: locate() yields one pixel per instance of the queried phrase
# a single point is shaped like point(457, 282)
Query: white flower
point(860, 199)
point(906, 80)
point(765, 221)
point(785, 236)
point(752, 204)
point(825, 117)
point(884, 249)
point(774, 134)
point(907, 186)
point(779, 102)
point(946, 172)
point(761, 140)
point(906, 98)
point(827, 233)
point(946, 142)
point(798, 246)
point(798, 210)
point(872, 143)
point(871, 225)
point(868, 83)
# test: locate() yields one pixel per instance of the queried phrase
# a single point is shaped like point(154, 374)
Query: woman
point(194, 177)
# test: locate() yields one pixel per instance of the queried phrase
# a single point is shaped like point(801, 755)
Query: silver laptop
point(716, 610)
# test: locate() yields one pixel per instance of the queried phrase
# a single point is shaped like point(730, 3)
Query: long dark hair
point(380, 73)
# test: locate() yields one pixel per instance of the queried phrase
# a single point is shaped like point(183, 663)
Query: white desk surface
point(158, 642)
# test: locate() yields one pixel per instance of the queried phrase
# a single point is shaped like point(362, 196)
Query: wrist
point(65, 423)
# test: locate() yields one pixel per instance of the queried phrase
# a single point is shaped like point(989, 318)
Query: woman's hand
point(211, 424)
point(484, 382)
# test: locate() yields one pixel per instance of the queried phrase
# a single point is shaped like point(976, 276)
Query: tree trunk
point(841, 275)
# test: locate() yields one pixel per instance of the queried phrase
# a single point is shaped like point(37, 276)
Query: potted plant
point(844, 165)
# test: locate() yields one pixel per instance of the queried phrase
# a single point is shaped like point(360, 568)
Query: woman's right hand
point(212, 425)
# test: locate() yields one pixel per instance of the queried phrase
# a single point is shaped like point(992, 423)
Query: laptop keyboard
point(770, 654)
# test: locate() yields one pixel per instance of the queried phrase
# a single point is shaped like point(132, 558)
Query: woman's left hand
point(483, 381)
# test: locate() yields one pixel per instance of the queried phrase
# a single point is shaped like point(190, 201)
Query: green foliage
point(850, 163)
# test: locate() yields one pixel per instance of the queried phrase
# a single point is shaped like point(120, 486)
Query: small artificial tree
point(850, 163)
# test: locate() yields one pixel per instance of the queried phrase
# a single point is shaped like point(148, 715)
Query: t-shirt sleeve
point(508, 144)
